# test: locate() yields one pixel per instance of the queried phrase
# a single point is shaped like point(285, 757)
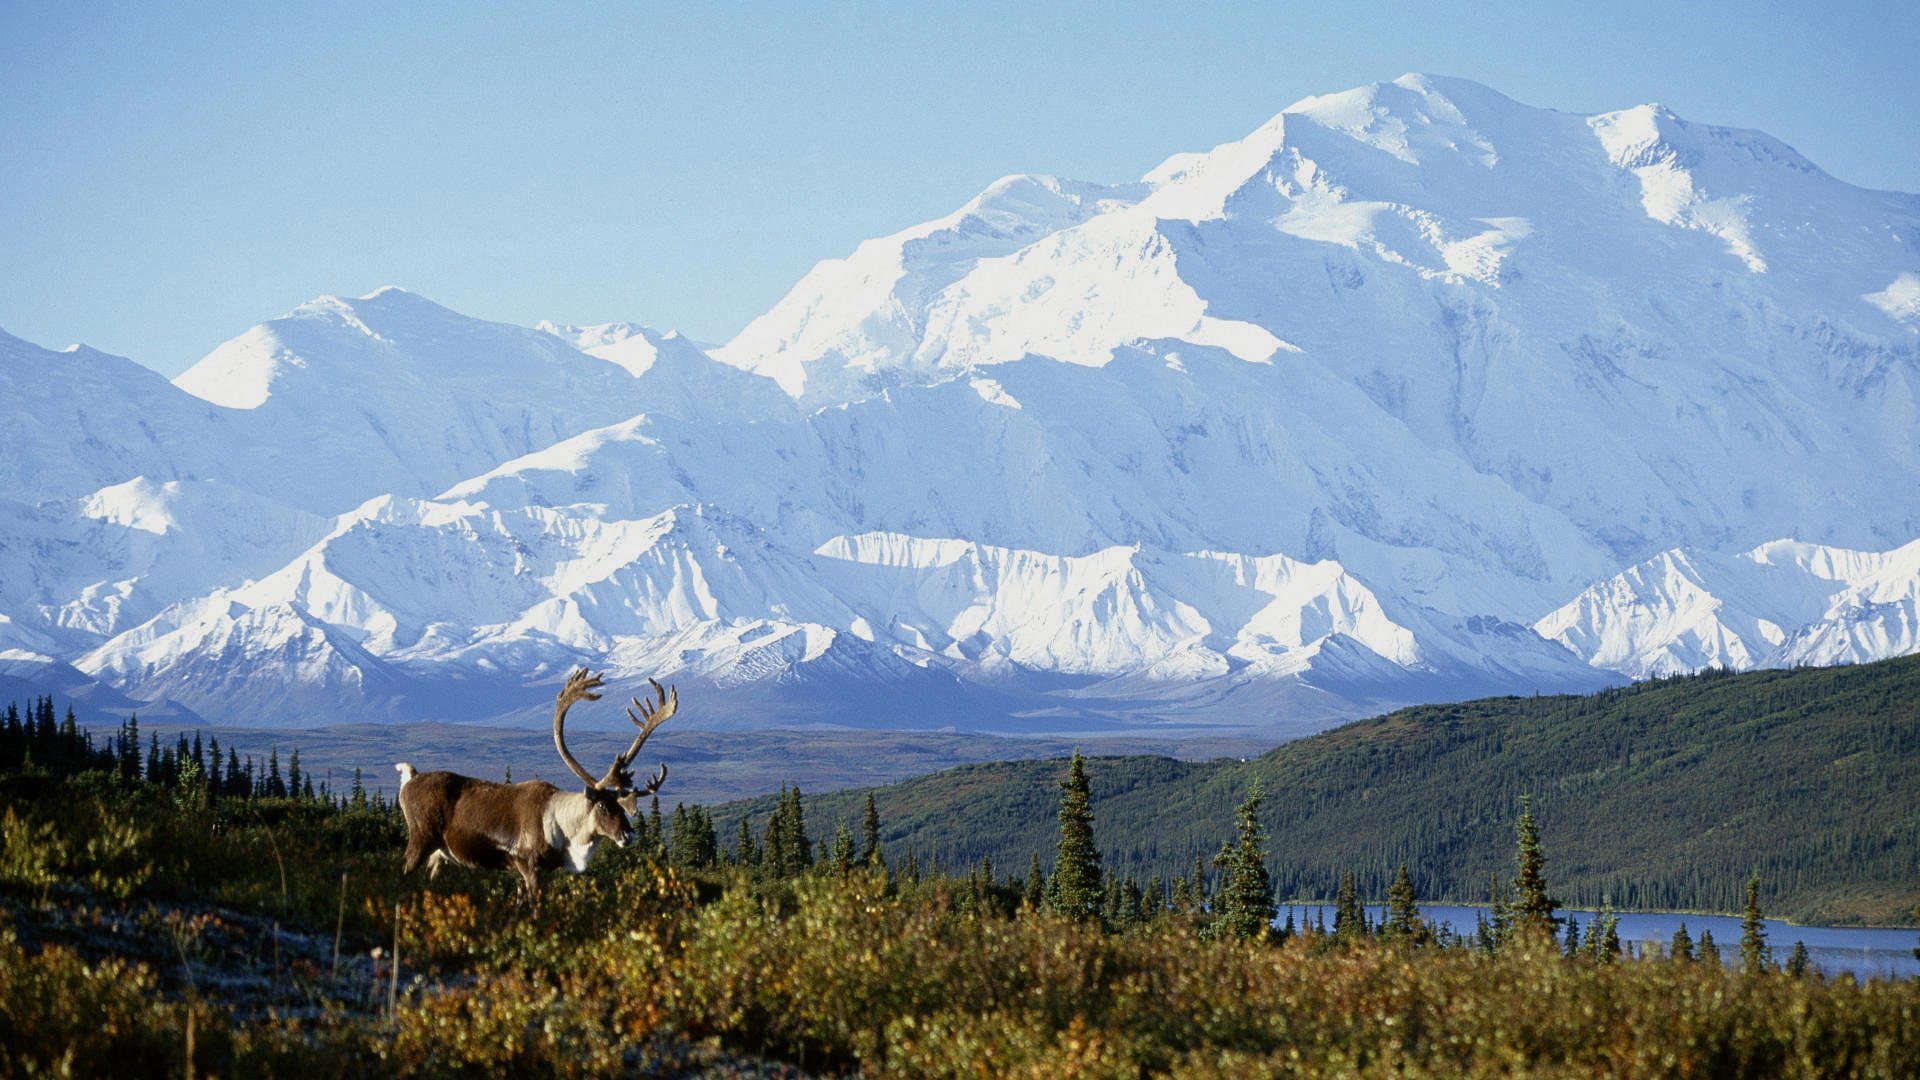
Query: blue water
point(1835, 950)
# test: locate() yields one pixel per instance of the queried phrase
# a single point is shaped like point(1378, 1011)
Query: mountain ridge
point(1478, 361)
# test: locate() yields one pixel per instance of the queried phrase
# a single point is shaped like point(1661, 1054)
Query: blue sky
point(172, 174)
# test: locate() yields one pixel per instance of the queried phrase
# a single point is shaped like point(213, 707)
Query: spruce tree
point(870, 834)
point(1183, 897)
point(1075, 888)
point(1530, 908)
point(680, 840)
point(1244, 905)
point(1403, 922)
point(1501, 912)
point(1133, 910)
point(1603, 937)
point(843, 850)
point(1348, 918)
point(1798, 961)
point(1572, 949)
point(1681, 948)
point(358, 800)
point(744, 853)
point(293, 773)
point(1036, 890)
point(773, 842)
point(130, 751)
point(1708, 950)
point(796, 849)
point(1755, 956)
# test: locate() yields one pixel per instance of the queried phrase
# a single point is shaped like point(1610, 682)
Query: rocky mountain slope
point(1414, 393)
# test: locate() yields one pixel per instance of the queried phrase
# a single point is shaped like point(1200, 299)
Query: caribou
point(531, 826)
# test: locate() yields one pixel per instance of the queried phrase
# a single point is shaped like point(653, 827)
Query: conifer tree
point(1202, 882)
point(656, 831)
point(1501, 912)
point(1075, 888)
point(744, 852)
point(1708, 950)
point(796, 849)
point(293, 772)
point(1798, 962)
point(130, 751)
point(1681, 948)
point(1244, 905)
point(870, 834)
point(1348, 918)
point(680, 840)
point(276, 786)
point(1036, 884)
point(1182, 897)
point(773, 843)
point(1403, 923)
point(1573, 938)
point(1755, 956)
point(358, 800)
point(843, 850)
point(1133, 910)
point(1603, 937)
point(1530, 908)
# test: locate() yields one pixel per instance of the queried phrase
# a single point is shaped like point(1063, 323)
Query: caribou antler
point(580, 686)
point(652, 715)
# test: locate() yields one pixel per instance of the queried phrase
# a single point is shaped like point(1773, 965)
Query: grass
point(201, 940)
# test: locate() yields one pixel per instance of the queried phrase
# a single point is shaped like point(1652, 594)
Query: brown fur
point(493, 826)
point(531, 826)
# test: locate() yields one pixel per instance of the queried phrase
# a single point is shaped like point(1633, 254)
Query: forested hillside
point(1662, 795)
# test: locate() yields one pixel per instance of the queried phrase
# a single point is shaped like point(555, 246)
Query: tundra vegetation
point(165, 918)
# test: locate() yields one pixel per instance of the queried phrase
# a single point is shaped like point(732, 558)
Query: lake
point(1862, 952)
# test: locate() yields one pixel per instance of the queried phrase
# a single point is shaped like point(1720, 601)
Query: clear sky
point(171, 174)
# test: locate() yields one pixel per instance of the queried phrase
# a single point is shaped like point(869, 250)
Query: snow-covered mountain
point(1353, 411)
point(1780, 604)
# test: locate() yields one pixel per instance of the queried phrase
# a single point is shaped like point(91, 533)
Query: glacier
point(1413, 393)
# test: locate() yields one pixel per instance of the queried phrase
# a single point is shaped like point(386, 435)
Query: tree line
point(185, 766)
